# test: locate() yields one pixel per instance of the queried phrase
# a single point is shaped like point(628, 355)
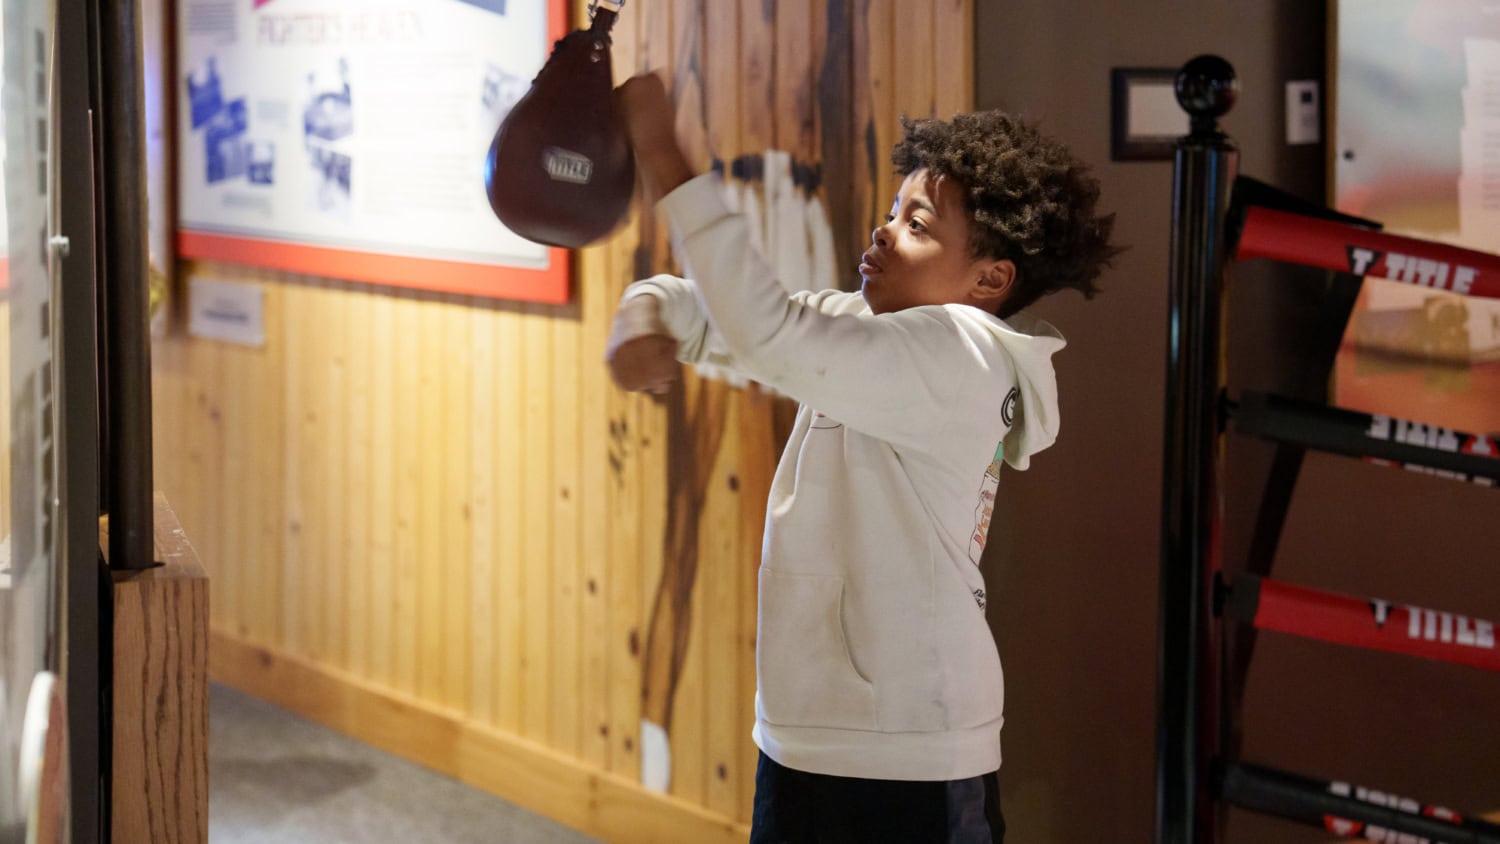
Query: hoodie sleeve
point(890, 376)
point(668, 304)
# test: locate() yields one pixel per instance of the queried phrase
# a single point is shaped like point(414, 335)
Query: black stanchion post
point(1186, 658)
point(125, 408)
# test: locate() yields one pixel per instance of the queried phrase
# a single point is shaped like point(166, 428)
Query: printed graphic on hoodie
point(991, 483)
point(986, 507)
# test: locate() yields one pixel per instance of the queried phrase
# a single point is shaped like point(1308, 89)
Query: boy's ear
point(996, 280)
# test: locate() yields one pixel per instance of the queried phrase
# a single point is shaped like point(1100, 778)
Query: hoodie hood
point(1031, 343)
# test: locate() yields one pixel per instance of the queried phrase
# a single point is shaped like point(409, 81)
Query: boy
point(879, 698)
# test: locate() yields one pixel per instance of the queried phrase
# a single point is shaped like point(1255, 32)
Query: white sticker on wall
point(227, 310)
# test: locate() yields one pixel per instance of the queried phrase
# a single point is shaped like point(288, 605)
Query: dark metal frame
point(1201, 670)
point(104, 369)
point(1187, 683)
point(125, 353)
point(83, 580)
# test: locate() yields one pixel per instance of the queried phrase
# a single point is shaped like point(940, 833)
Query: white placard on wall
point(231, 311)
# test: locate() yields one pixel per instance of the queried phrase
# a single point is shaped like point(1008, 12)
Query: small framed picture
point(1145, 119)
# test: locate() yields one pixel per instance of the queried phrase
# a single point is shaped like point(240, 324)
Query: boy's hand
point(647, 363)
point(650, 121)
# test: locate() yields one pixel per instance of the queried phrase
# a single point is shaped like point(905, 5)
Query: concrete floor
point(275, 778)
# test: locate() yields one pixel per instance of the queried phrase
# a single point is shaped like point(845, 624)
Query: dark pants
point(794, 807)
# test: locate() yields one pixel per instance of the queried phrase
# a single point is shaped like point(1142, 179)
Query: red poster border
point(551, 285)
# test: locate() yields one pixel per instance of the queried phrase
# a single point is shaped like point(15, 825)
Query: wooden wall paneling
point(953, 40)
point(510, 390)
point(623, 518)
point(483, 521)
point(458, 495)
point(384, 480)
point(407, 456)
point(536, 528)
point(562, 492)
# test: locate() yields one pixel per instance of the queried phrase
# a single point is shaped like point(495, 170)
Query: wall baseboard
point(597, 803)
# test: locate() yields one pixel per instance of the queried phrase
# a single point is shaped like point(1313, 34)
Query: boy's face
point(921, 255)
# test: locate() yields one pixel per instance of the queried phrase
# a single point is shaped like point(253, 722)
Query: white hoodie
point(873, 656)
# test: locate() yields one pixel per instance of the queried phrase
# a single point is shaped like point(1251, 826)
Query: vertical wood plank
point(625, 483)
point(727, 726)
point(312, 383)
point(536, 565)
point(159, 389)
point(593, 504)
point(511, 470)
point(457, 497)
point(915, 96)
point(648, 429)
point(880, 22)
point(384, 479)
point(230, 415)
point(431, 659)
point(407, 400)
point(333, 419)
point(562, 492)
point(265, 583)
point(358, 491)
point(953, 39)
point(757, 134)
point(294, 315)
point(484, 481)
point(683, 567)
point(205, 445)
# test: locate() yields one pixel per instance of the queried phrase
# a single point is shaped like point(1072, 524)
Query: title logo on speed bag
point(567, 166)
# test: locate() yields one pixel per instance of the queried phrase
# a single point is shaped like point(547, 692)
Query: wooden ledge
point(159, 781)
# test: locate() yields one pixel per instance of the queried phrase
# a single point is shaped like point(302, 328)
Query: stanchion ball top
point(1207, 87)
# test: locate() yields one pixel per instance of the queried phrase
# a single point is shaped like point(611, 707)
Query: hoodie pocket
point(802, 664)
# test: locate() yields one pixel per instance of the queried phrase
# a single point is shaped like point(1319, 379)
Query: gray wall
point(1075, 551)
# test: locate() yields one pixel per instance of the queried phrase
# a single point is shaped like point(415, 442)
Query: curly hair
point(1029, 200)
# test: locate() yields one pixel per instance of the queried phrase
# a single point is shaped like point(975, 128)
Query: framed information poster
point(347, 138)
